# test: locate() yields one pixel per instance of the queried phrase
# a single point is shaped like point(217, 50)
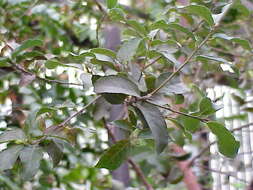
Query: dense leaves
point(80, 77)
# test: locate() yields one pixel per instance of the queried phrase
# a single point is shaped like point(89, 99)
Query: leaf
point(4, 62)
point(180, 157)
point(201, 11)
point(51, 64)
point(116, 84)
point(102, 109)
point(115, 155)
point(227, 144)
point(102, 63)
point(25, 45)
point(180, 28)
point(116, 14)
point(244, 43)
point(12, 135)
point(54, 152)
point(206, 106)
point(111, 3)
point(128, 49)
point(30, 158)
point(9, 156)
point(212, 58)
point(114, 98)
point(175, 86)
point(45, 110)
point(238, 99)
point(137, 26)
point(104, 51)
point(9, 183)
point(217, 17)
point(189, 123)
point(26, 79)
point(156, 123)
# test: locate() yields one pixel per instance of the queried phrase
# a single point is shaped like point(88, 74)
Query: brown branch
point(22, 70)
point(180, 113)
point(194, 52)
point(135, 167)
point(63, 123)
point(100, 7)
point(153, 62)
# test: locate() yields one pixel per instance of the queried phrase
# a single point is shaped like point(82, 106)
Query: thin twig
point(206, 148)
point(22, 70)
point(136, 168)
point(153, 62)
point(192, 54)
point(178, 112)
point(183, 65)
point(241, 127)
point(148, 65)
point(202, 152)
point(100, 7)
point(223, 173)
point(64, 123)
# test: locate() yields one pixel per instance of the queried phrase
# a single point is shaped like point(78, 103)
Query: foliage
point(67, 90)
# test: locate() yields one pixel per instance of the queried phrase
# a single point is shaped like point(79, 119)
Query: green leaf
point(201, 11)
point(4, 62)
point(116, 84)
point(155, 121)
point(244, 43)
point(45, 110)
point(227, 144)
point(54, 152)
point(104, 51)
point(128, 49)
point(102, 63)
point(111, 3)
point(180, 28)
point(9, 156)
point(9, 183)
point(30, 158)
point(51, 64)
point(116, 14)
point(12, 135)
point(238, 99)
point(114, 98)
point(212, 58)
point(25, 45)
point(190, 124)
point(137, 26)
point(206, 106)
point(115, 155)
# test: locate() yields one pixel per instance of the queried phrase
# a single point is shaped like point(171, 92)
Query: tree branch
point(192, 54)
point(63, 123)
point(22, 70)
point(180, 113)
